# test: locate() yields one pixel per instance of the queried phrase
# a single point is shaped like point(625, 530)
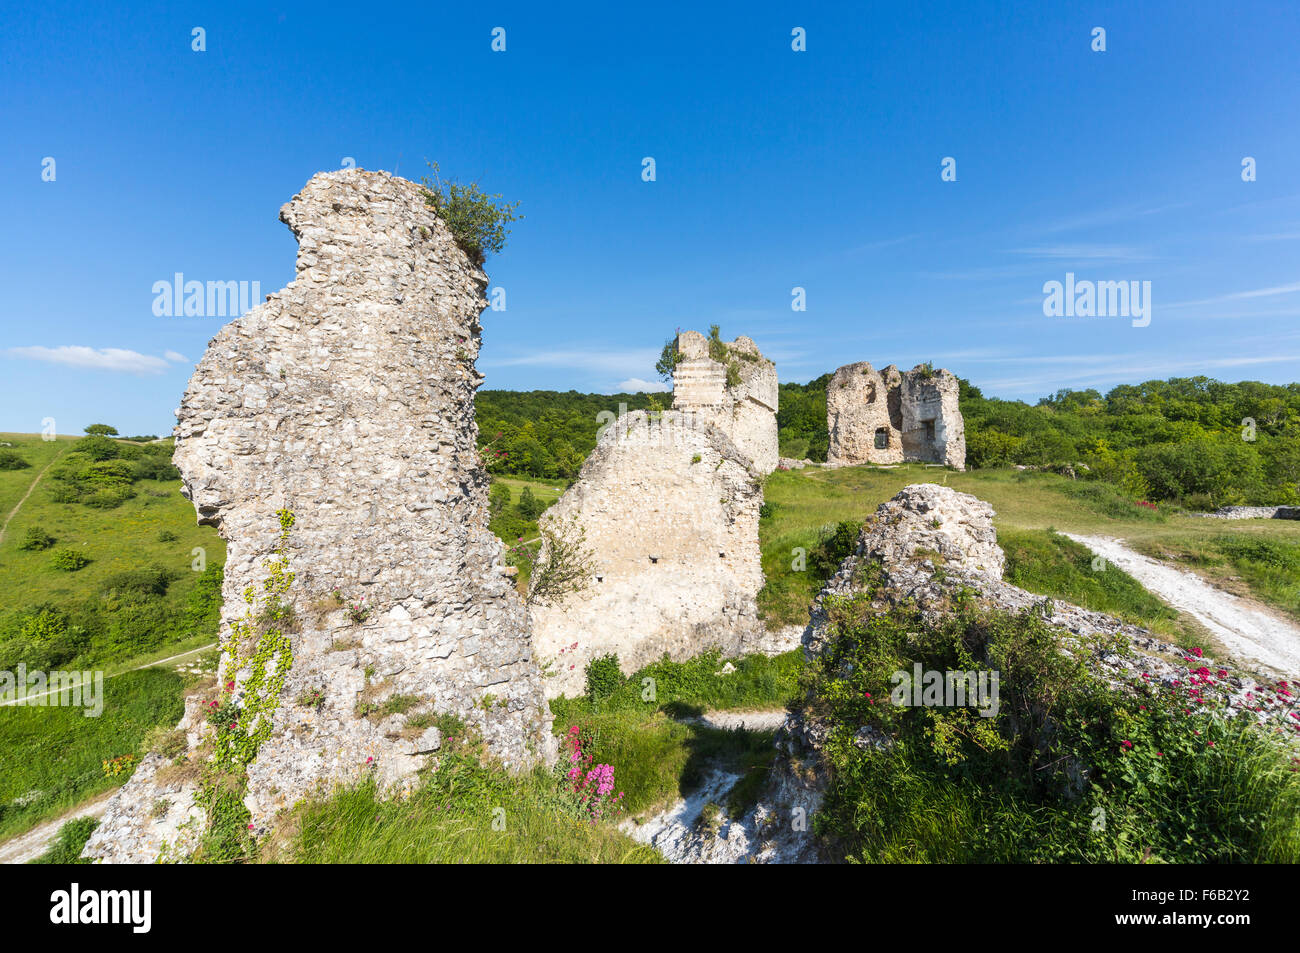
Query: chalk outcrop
point(347, 399)
point(734, 388)
point(667, 508)
point(888, 416)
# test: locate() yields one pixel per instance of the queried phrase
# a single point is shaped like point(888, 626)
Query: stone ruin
point(347, 398)
point(734, 388)
point(894, 417)
point(667, 511)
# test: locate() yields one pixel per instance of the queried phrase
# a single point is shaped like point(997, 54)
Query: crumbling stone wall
point(348, 399)
point(737, 394)
point(668, 506)
point(893, 417)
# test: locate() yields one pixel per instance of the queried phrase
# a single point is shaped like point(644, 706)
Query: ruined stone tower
point(668, 511)
point(734, 388)
point(347, 399)
point(893, 417)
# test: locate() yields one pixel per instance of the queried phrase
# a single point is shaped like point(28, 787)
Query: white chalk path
point(1247, 630)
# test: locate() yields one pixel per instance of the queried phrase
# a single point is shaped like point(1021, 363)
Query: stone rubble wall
point(1255, 513)
point(669, 508)
point(348, 399)
point(862, 403)
point(744, 411)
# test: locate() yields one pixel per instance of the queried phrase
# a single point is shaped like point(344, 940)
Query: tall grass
point(465, 813)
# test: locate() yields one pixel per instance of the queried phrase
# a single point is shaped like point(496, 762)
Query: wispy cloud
point(1086, 252)
point(1113, 371)
point(102, 359)
point(627, 362)
point(635, 385)
point(1241, 295)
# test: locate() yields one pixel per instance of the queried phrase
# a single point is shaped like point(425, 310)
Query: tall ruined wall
point(348, 399)
point(864, 416)
point(892, 417)
point(737, 394)
point(669, 510)
point(933, 430)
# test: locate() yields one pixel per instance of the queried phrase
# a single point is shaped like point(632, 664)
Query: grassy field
point(1261, 557)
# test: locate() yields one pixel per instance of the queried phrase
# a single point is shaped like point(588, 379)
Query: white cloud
point(628, 361)
point(104, 359)
point(1242, 295)
point(176, 357)
point(635, 385)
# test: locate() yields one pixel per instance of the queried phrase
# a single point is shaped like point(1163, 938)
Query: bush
point(101, 430)
point(9, 460)
point(69, 560)
point(834, 546)
point(70, 841)
point(1062, 749)
point(140, 582)
point(604, 677)
point(529, 506)
point(43, 637)
point(37, 539)
point(477, 220)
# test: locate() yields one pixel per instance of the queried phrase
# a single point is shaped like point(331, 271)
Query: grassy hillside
point(52, 758)
point(98, 565)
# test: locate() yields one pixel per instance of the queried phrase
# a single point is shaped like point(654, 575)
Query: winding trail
point(19, 505)
point(1248, 630)
point(161, 661)
point(28, 846)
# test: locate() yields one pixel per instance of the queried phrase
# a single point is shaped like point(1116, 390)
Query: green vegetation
point(1194, 440)
point(1068, 770)
point(52, 758)
point(801, 420)
point(546, 434)
point(464, 813)
point(478, 221)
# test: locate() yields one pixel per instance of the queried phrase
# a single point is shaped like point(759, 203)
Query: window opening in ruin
point(929, 429)
point(882, 438)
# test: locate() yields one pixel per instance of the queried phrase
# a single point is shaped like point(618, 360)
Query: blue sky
point(775, 169)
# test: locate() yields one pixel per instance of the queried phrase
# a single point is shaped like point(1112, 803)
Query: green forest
point(1193, 441)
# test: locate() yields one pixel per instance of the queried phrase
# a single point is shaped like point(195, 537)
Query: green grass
point(464, 813)
point(1047, 563)
point(805, 503)
point(1248, 562)
point(52, 757)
